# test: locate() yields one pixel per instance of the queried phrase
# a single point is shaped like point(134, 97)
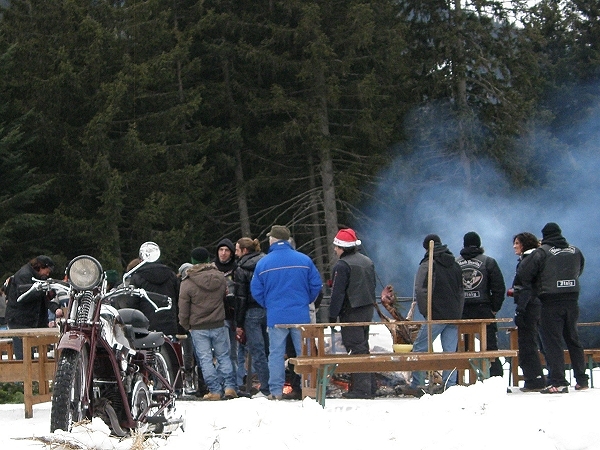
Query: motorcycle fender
point(73, 341)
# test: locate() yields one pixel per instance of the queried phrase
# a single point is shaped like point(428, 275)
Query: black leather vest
point(475, 279)
point(361, 289)
point(560, 274)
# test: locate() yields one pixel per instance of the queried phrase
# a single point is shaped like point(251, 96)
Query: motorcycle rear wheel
point(69, 390)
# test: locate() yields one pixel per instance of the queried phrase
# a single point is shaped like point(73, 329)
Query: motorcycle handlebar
point(61, 287)
point(154, 298)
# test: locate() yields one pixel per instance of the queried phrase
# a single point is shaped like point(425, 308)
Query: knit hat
point(45, 261)
point(279, 232)
point(200, 255)
point(345, 238)
point(472, 239)
point(431, 237)
point(551, 229)
point(183, 270)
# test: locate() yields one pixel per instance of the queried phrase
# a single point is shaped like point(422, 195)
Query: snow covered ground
point(480, 416)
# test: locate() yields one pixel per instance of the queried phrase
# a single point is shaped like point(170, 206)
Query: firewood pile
point(402, 329)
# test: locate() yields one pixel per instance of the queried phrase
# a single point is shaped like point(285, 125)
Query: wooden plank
point(12, 371)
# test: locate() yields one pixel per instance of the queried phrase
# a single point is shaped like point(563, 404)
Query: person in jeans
point(250, 317)
point(447, 301)
point(285, 282)
point(202, 312)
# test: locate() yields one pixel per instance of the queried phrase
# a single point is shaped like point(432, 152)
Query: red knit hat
point(346, 237)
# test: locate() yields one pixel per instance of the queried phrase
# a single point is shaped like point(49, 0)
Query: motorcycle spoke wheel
point(140, 404)
point(69, 390)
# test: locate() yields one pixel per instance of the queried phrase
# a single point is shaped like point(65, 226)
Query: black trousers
point(356, 341)
point(559, 327)
point(484, 311)
point(529, 358)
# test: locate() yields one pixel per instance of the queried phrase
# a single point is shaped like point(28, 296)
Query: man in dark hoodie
point(156, 277)
point(226, 263)
point(447, 300)
point(484, 290)
point(553, 271)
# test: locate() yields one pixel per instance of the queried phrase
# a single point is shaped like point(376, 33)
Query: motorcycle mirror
point(149, 252)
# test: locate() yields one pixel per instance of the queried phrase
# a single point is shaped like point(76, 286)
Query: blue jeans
point(449, 337)
point(257, 341)
point(277, 343)
point(210, 345)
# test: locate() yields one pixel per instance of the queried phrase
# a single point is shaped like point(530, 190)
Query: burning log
point(402, 333)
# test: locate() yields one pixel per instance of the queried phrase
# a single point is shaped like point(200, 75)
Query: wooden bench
point(325, 366)
point(28, 370)
point(313, 346)
point(592, 355)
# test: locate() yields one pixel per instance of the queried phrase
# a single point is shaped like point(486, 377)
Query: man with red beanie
point(353, 300)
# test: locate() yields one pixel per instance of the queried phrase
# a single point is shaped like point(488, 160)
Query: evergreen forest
point(186, 121)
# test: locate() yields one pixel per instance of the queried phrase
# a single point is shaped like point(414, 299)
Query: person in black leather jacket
point(31, 311)
point(250, 317)
point(527, 319)
point(553, 271)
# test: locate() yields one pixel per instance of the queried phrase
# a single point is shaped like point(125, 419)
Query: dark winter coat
point(489, 289)
point(242, 277)
point(156, 277)
point(447, 298)
point(32, 311)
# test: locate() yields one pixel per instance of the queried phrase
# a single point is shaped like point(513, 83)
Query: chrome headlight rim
point(84, 273)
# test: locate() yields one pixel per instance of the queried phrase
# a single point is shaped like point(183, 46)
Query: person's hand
point(50, 294)
point(520, 320)
point(240, 335)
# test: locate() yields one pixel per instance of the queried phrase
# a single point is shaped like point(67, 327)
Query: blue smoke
point(426, 193)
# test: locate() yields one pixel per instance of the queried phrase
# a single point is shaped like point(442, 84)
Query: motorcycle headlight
point(84, 273)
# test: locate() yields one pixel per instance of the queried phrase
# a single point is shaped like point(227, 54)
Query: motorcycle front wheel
point(69, 390)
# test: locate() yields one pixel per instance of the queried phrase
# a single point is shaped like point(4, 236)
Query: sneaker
point(581, 387)
point(212, 396)
point(260, 394)
point(527, 389)
point(555, 390)
point(230, 393)
point(357, 394)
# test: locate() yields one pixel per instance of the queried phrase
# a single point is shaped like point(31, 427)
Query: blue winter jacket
point(285, 282)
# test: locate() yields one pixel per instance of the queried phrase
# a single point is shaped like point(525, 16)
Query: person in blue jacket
point(285, 282)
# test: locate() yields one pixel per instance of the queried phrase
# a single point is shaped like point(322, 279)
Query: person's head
point(524, 241)
point(551, 230)
point(471, 239)
point(431, 237)
point(43, 265)
point(246, 245)
point(225, 251)
point(345, 241)
point(134, 262)
point(200, 256)
point(278, 233)
point(182, 271)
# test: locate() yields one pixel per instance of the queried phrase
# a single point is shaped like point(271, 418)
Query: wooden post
point(429, 296)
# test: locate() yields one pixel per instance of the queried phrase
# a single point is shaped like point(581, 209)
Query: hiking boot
point(212, 396)
point(581, 387)
point(293, 395)
point(412, 391)
point(555, 390)
point(357, 394)
point(230, 393)
point(275, 397)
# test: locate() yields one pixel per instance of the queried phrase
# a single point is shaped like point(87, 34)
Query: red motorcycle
point(110, 365)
